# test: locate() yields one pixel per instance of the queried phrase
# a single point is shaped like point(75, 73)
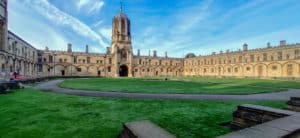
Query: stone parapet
point(248, 115)
point(286, 127)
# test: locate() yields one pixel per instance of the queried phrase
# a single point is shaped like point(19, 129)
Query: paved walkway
point(52, 86)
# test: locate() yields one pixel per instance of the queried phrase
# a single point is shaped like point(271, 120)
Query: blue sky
point(176, 26)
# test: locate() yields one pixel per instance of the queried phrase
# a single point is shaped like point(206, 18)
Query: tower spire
point(121, 6)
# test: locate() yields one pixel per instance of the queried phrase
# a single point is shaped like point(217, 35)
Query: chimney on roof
point(268, 45)
point(138, 52)
point(87, 49)
point(221, 52)
point(283, 43)
point(166, 54)
point(154, 53)
point(149, 53)
point(227, 51)
point(245, 47)
point(69, 48)
point(107, 50)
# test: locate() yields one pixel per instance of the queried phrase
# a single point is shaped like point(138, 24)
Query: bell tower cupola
point(121, 28)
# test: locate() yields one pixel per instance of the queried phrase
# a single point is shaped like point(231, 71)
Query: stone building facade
point(270, 62)
point(119, 61)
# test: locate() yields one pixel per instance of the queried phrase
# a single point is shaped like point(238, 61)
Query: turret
point(87, 49)
point(245, 47)
point(138, 52)
point(69, 48)
point(154, 53)
point(282, 43)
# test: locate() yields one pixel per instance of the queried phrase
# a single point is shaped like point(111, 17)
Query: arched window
point(123, 26)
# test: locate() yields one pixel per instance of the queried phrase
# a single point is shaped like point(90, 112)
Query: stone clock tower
point(121, 46)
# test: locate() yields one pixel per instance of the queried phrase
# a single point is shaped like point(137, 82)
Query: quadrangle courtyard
point(31, 112)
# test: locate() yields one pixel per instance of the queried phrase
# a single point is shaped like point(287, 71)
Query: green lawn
point(31, 113)
point(181, 85)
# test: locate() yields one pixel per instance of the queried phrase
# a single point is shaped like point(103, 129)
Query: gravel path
point(52, 86)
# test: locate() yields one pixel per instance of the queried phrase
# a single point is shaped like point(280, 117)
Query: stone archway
point(123, 71)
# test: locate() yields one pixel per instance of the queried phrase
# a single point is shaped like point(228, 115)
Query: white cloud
point(106, 32)
point(97, 24)
point(91, 6)
point(61, 18)
point(191, 17)
point(40, 35)
point(175, 32)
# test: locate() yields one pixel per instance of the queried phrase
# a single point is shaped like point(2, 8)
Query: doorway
point(63, 73)
point(123, 71)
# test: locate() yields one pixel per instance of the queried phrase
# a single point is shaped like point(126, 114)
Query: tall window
point(236, 69)
point(251, 58)
point(272, 58)
point(240, 59)
point(228, 70)
point(88, 59)
point(50, 58)
point(3, 67)
point(287, 56)
point(290, 69)
point(265, 57)
point(297, 54)
point(109, 60)
point(279, 55)
point(75, 60)
point(123, 26)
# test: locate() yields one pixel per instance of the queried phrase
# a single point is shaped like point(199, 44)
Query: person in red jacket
point(15, 75)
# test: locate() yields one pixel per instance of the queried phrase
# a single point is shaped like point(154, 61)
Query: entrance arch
point(123, 71)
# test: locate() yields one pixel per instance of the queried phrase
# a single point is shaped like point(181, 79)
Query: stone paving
point(52, 86)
